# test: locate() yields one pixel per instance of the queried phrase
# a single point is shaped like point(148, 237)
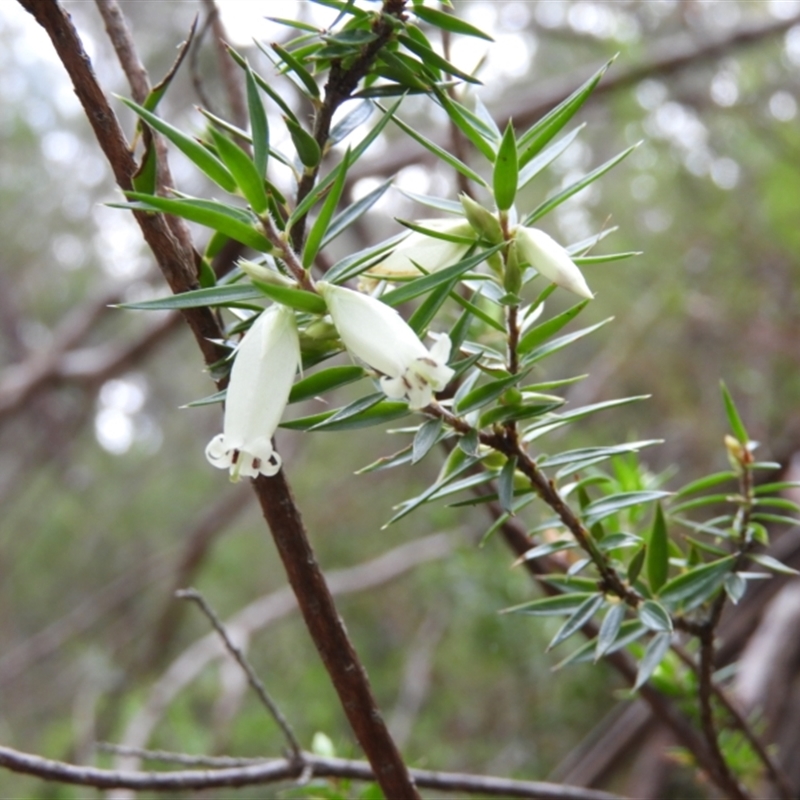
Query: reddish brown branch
point(330, 636)
point(177, 263)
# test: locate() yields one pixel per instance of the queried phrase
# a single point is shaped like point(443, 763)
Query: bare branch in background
point(252, 678)
point(273, 771)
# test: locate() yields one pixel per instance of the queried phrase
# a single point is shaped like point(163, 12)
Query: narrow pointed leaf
point(657, 552)
point(308, 150)
point(441, 153)
point(696, 585)
point(609, 629)
point(199, 298)
point(191, 148)
point(243, 170)
point(258, 124)
point(384, 411)
point(483, 395)
point(554, 345)
point(552, 606)
point(547, 157)
point(657, 648)
point(586, 180)
point(213, 215)
point(546, 549)
point(321, 223)
point(448, 22)
point(262, 83)
point(326, 380)
point(539, 134)
point(608, 506)
point(295, 66)
point(425, 438)
point(772, 563)
point(353, 212)
point(734, 420)
point(578, 619)
point(427, 282)
point(506, 171)
point(655, 616)
point(433, 60)
point(354, 119)
point(701, 484)
point(505, 485)
point(541, 333)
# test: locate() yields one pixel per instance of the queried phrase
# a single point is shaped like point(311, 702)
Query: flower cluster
point(268, 357)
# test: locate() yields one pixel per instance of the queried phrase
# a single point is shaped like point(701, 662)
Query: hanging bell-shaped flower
point(261, 378)
point(377, 335)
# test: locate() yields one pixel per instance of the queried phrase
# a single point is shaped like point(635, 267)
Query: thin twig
point(253, 679)
point(275, 770)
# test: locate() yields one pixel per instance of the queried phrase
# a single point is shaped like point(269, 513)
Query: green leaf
point(772, 563)
point(696, 585)
point(440, 153)
point(609, 629)
point(517, 412)
point(424, 284)
point(439, 203)
point(472, 127)
point(734, 420)
point(553, 346)
point(425, 438)
point(506, 170)
point(433, 60)
point(546, 549)
point(605, 259)
point(326, 380)
point(199, 298)
point(216, 216)
point(655, 616)
point(243, 170)
point(579, 618)
point(629, 632)
point(305, 144)
point(295, 66)
point(321, 187)
point(352, 120)
point(384, 411)
point(701, 484)
point(779, 486)
point(542, 332)
point(427, 310)
point(539, 134)
point(353, 212)
point(547, 157)
point(552, 606)
point(701, 502)
point(657, 648)
point(483, 395)
point(581, 454)
point(586, 180)
point(735, 587)
point(258, 124)
point(320, 227)
point(448, 22)
point(505, 485)
point(192, 149)
point(263, 84)
point(608, 506)
point(657, 552)
point(456, 467)
point(636, 564)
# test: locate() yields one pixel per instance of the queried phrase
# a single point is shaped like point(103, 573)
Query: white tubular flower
point(550, 259)
point(261, 377)
point(380, 337)
point(430, 253)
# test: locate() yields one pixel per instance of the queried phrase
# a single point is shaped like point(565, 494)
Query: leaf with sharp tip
point(578, 619)
point(191, 148)
point(657, 648)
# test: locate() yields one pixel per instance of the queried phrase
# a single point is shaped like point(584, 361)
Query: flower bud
point(481, 219)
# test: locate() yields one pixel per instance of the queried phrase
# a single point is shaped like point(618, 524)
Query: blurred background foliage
point(107, 498)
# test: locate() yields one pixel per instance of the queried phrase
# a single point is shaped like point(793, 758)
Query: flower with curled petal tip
point(377, 335)
point(551, 260)
point(258, 390)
